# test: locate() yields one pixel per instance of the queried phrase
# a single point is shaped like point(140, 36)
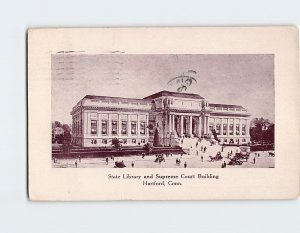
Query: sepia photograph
point(119, 110)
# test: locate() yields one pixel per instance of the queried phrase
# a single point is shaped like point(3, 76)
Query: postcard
point(199, 113)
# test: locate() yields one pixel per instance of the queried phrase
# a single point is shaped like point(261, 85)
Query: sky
point(241, 79)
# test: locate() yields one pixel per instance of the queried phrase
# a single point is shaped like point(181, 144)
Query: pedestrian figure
point(185, 165)
point(196, 144)
point(222, 148)
point(258, 155)
point(76, 163)
point(201, 158)
point(224, 164)
point(132, 164)
point(54, 160)
point(79, 159)
point(106, 160)
point(171, 155)
point(254, 160)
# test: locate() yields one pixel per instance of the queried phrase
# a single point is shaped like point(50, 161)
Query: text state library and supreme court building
point(96, 120)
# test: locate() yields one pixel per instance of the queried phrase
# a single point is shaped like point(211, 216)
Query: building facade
point(99, 119)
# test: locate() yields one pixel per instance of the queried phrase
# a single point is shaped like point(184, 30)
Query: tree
point(259, 130)
point(156, 138)
point(148, 147)
point(66, 128)
point(116, 143)
point(57, 124)
point(269, 135)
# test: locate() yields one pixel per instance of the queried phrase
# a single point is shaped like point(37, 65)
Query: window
point(104, 127)
point(243, 129)
point(225, 130)
point(218, 129)
point(225, 140)
point(134, 141)
point(104, 141)
point(237, 129)
point(124, 128)
point(243, 140)
point(124, 141)
point(133, 127)
point(93, 127)
point(143, 141)
point(142, 128)
point(114, 127)
point(231, 129)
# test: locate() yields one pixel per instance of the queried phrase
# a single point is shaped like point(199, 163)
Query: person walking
point(224, 164)
point(185, 165)
point(201, 158)
point(106, 160)
point(76, 163)
point(254, 160)
point(132, 164)
point(79, 158)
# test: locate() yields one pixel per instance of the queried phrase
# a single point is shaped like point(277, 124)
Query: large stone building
point(99, 119)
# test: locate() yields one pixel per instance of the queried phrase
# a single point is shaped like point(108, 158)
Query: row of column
point(87, 125)
point(200, 119)
point(234, 126)
point(203, 125)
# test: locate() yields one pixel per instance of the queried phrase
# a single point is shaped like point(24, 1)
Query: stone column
point(181, 125)
point(199, 127)
point(221, 130)
point(241, 128)
point(138, 125)
point(170, 123)
point(108, 125)
point(128, 126)
point(173, 123)
point(206, 121)
point(119, 125)
point(191, 126)
point(234, 127)
point(228, 127)
point(204, 124)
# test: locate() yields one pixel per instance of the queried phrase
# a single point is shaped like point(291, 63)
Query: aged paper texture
point(163, 113)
